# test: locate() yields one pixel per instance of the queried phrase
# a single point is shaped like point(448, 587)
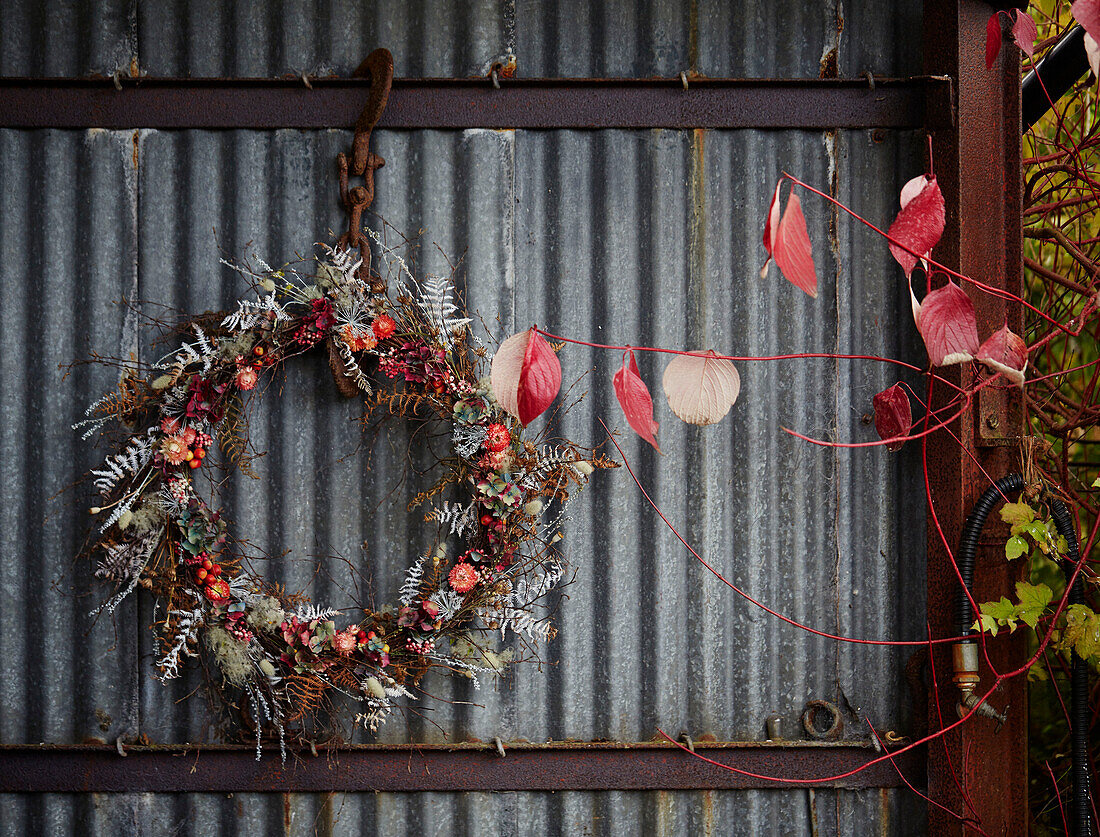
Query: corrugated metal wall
point(644, 237)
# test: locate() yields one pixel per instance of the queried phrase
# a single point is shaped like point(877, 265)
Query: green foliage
point(1033, 601)
point(1081, 632)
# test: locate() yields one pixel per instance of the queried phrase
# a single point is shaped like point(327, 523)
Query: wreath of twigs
point(279, 656)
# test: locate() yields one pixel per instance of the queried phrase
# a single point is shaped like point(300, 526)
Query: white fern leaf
point(411, 588)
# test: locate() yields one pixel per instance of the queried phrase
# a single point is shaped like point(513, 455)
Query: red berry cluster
point(207, 575)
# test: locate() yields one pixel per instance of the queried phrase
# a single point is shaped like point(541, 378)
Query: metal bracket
point(1000, 417)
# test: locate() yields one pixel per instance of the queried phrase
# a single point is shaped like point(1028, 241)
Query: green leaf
point(1002, 611)
point(1034, 599)
point(1017, 515)
point(1015, 547)
point(1077, 617)
point(984, 622)
point(1082, 631)
point(1096, 483)
point(1037, 531)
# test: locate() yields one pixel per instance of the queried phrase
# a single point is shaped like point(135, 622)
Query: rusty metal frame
point(471, 767)
point(567, 103)
point(979, 171)
point(974, 116)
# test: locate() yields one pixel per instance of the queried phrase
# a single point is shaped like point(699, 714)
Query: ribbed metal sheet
point(623, 237)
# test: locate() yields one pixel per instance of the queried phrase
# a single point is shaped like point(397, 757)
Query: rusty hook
point(378, 67)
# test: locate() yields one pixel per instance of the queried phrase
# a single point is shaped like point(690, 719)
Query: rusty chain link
point(378, 67)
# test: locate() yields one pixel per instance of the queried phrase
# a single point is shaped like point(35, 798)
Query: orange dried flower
point(174, 449)
point(357, 339)
point(383, 326)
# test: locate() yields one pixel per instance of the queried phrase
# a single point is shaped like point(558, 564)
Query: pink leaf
point(920, 223)
point(771, 224)
point(1025, 32)
point(506, 369)
point(525, 375)
point(701, 387)
point(788, 242)
point(540, 379)
point(893, 415)
point(948, 325)
point(1092, 50)
point(1087, 13)
point(1005, 352)
point(992, 39)
point(635, 400)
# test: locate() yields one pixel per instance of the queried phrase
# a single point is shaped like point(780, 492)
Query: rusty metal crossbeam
point(540, 104)
point(524, 767)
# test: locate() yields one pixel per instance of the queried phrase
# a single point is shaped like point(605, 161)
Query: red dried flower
point(463, 577)
point(497, 438)
point(218, 592)
point(383, 326)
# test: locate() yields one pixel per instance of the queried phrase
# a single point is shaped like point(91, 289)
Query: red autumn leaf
point(1005, 352)
point(540, 379)
point(1087, 13)
point(525, 375)
point(946, 321)
point(992, 39)
point(893, 415)
point(635, 400)
point(1025, 32)
point(700, 387)
point(788, 242)
point(919, 225)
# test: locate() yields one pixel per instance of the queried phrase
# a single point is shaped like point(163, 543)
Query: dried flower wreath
point(493, 558)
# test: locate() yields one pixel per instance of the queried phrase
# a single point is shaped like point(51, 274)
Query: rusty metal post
point(978, 166)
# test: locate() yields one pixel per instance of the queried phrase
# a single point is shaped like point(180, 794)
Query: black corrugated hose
point(1079, 682)
point(966, 558)
point(968, 542)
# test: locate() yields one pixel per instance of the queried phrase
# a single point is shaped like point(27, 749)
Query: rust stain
point(134, 70)
point(286, 813)
point(135, 141)
point(829, 67)
point(884, 811)
point(708, 813)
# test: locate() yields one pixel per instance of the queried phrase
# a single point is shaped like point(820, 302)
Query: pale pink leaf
point(893, 415)
point(540, 379)
point(771, 225)
point(919, 225)
point(948, 326)
point(1087, 13)
point(635, 400)
point(701, 387)
point(913, 188)
point(1092, 50)
point(1025, 32)
point(992, 39)
point(1005, 352)
point(791, 248)
point(915, 305)
point(506, 369)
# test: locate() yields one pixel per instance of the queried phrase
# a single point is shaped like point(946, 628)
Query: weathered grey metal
point(617, 236)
